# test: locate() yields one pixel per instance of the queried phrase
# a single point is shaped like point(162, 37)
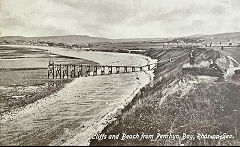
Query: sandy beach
point(84, 107)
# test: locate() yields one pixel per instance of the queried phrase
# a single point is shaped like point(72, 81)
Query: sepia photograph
point(119, 73)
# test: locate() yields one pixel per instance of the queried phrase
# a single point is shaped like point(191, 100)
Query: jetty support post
point(117, 69)
point(67, 71)
point(102, 70)
point(73, 74)
point(94, 70)
point(88, 70)
point(58, 71)
point(63, 72)
point(133, 69)
point(51, 70)
point(125, 69)
point(74, 69)
point(79, 71)
point(110, 69)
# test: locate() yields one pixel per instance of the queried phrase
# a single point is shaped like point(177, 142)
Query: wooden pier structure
point(67, 71)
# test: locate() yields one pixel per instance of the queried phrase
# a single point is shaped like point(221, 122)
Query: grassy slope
point(207, 107)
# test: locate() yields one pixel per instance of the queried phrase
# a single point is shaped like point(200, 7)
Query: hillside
point(233, 37)
point(69, 39)
point(223, 37)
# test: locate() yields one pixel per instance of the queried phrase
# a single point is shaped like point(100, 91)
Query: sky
point(118, 18)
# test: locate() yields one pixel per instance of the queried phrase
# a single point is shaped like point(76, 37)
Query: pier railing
point(66, 71)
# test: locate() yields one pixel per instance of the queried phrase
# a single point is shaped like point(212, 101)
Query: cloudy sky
point(118, 18)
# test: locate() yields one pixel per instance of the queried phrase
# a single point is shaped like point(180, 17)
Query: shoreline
point(24, 77)
point(110, 116)
point(105, 120)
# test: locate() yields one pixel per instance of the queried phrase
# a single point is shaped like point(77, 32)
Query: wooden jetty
point(67, 71)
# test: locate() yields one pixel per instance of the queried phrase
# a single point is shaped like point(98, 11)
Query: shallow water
point(104, 58)
point(72, 114)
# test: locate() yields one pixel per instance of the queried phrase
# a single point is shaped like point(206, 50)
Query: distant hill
point(197, 35)
point(223, 37)
point(230, 34)
point(139, 39)
point(84, 39)
point(69, 39)
point(78, 39)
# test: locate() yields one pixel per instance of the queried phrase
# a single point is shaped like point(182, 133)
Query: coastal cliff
point(181, 106)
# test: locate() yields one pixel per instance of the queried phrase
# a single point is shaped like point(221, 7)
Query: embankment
point(177, 103)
